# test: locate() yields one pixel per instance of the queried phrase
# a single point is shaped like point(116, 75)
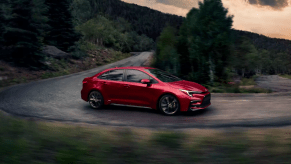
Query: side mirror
point(146, 81)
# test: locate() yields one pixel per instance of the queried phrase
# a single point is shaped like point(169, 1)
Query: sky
point(267, 17)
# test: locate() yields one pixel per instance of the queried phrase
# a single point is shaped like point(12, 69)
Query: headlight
point(189, 93)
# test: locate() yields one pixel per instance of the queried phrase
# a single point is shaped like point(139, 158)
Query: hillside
point(143, 19)
point(151, 22)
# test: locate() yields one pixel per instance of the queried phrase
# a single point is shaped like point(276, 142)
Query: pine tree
point(183, 42)
point(167, 57)
point(40, 19)
point(22, 34)
point(61, 32)
point(211, 40)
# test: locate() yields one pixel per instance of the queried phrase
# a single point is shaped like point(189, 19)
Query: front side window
point(135, 76)
point(162, 75)
point(115, 75)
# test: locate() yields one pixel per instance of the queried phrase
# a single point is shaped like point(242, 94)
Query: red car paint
point(145, 95)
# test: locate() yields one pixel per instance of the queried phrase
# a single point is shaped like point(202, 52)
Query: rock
point(47, 63)
point(54, 52)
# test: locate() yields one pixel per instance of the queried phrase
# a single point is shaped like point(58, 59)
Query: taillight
point(84, 82)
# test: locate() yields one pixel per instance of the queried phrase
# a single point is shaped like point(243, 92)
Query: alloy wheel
point(169, 105)
point(95, 99)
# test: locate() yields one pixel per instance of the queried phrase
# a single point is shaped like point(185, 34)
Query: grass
point(248, 81)
point(286, 76)
point(24, 141)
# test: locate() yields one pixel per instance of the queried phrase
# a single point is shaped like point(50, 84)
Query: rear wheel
point(169, 105)
point(96, 100)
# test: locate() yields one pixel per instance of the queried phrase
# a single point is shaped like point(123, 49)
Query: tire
point(169, 105)
point(96, 100)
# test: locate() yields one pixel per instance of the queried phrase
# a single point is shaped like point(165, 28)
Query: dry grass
point(28, 141)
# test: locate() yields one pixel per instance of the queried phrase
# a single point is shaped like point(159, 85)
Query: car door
point(113, 86)
point(138, 94)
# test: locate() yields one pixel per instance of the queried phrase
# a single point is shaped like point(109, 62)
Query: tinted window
point(115, 75)
point(136, 76)
point(162, 75)
point(103, 76)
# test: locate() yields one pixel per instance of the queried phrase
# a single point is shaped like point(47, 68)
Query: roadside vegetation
point(285, 76)
point(206, 50)
point(28, 141)
point(59, 67)
point(196, 48)
point(91, 41)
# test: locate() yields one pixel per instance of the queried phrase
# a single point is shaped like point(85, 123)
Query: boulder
point(54, 52)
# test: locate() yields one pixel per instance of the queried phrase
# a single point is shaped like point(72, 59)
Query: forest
point(195, 47)
point(71, 26)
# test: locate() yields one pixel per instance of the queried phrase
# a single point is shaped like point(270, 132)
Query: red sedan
point(144, 87)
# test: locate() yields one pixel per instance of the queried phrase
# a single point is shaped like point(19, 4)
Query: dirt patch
point(148, 61)
point(247, 86)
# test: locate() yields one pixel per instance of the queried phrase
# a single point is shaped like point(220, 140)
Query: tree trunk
point(243, 72)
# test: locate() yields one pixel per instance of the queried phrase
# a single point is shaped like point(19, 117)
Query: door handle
point(104, 83)
point(126, 86)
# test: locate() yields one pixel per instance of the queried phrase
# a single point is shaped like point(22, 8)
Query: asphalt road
point(59, 99)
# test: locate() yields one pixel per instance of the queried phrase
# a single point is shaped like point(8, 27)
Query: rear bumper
point(84, 95)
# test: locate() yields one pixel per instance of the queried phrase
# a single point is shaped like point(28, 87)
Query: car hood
point(188, 85)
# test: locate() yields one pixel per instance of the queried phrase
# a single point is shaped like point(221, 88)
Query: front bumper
point(204, 104)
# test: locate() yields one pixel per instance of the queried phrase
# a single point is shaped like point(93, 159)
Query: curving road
point(59, 99)
point(274, 82)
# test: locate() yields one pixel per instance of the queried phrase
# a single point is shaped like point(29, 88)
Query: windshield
point(162, 75)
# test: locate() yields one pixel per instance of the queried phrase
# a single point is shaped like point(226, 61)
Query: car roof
point(132, 67)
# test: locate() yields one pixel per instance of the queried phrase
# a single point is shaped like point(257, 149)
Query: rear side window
point(115, 75)
point(103, 76)
point(135, 76)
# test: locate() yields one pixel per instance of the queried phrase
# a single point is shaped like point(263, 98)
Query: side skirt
point(130, 106)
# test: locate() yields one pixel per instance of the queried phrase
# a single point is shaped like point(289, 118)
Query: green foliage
point(286, 76)
point(78, 51)
point(142, 19)
point(209, 45)
point(102, 31)
point(40, 10)
point(61, 32)
point(23, 34)
point(81, 11)
point(183, 43)
point(23, 141)
point(2, 27)
point(248, 59)
point(167, 57)
point(247, 81)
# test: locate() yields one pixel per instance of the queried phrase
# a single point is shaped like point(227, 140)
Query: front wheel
point(96, 100)
point(169, 105)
